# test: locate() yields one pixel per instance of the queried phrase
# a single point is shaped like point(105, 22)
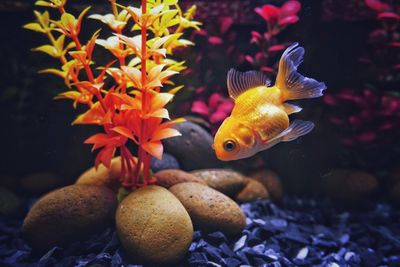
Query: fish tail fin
point(296, 129)
point(292, 84)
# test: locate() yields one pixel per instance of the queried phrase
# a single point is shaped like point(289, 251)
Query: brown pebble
point(170, 177)
point(153, 226)
point(209, 209)
point(108, 177)
point(226, 181)
point(271, 182)
point(349, 185)
point(68, 214)
point(253, 190)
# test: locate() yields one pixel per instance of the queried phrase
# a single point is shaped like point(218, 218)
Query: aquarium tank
point(200, 133)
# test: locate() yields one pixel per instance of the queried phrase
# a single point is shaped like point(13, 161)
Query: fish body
point(260, 117)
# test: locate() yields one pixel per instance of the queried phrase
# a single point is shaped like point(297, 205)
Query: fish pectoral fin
point(296, 129)
point(290, 108)
point(239, 82)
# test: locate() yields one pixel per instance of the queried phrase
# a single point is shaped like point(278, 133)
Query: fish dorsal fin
point(239, 82)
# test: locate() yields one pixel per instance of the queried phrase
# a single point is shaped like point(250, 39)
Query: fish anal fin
point(239, 82)
point(290, 108)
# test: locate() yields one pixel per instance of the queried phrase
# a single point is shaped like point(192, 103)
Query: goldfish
point(260, 116)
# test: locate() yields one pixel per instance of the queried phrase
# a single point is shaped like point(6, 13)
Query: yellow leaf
point(43, 3)
point(175, 90)
point(48, 49)
point(33, 27)
point(68, 20)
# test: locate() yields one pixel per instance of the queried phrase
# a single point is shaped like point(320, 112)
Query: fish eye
point(229, 145)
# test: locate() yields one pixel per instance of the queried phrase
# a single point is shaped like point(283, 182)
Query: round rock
point(193, 149)
point(153, 226)
point(349, 185)
point(168, 178)
point(209, 209)
point(68, 214)
point(253, 190)
point(103, 176)
point(271, 182)
point(226, 181)
point(167, 162)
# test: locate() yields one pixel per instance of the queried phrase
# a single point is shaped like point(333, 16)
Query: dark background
point(36, 134)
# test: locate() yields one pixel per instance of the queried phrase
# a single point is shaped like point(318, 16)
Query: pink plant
point(215, 109)
point(277, 19)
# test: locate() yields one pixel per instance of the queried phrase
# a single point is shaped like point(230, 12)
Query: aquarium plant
point(368, 112)
point(125, 97)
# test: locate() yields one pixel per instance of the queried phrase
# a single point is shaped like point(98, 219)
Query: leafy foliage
point(130, 108)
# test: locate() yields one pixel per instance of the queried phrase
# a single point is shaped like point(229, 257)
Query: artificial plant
point(124, 96)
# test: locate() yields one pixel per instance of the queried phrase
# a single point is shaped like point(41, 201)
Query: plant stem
point(142, 138)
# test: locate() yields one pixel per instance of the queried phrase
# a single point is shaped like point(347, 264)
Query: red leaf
point(366, 137)
point(388, 16)
point(249, 59)
point(105, 156)
point(290, 8)
point(214, 100)
point(268, 12)
point(215, 40)
point(199, 107)
point(218, 116)
point(154, 148)
point(275, 48)
point(288, 20)
point(225, 24)
point(267, 69)
point(377, 5)
point(123, 131)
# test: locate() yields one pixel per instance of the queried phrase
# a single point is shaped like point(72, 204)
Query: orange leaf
point(159, 100)
point(123, 131)
point(159, 113)
point(105, 156)
point(154, 148)
point(94, 115)
point(165, 133)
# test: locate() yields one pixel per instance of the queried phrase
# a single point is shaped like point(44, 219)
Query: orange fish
point(259, 119)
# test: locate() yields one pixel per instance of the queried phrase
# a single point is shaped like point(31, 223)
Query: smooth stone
point(40, 183)
point(271, 182)
point(168, 178)
point(209, 209)
point(9, 202)
point(193, 149)
point(349, 185)
point(153, 226)
point(103, 176)
point(226, 181)
point(253, 190)
point(67, 214)
point(167, 162)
